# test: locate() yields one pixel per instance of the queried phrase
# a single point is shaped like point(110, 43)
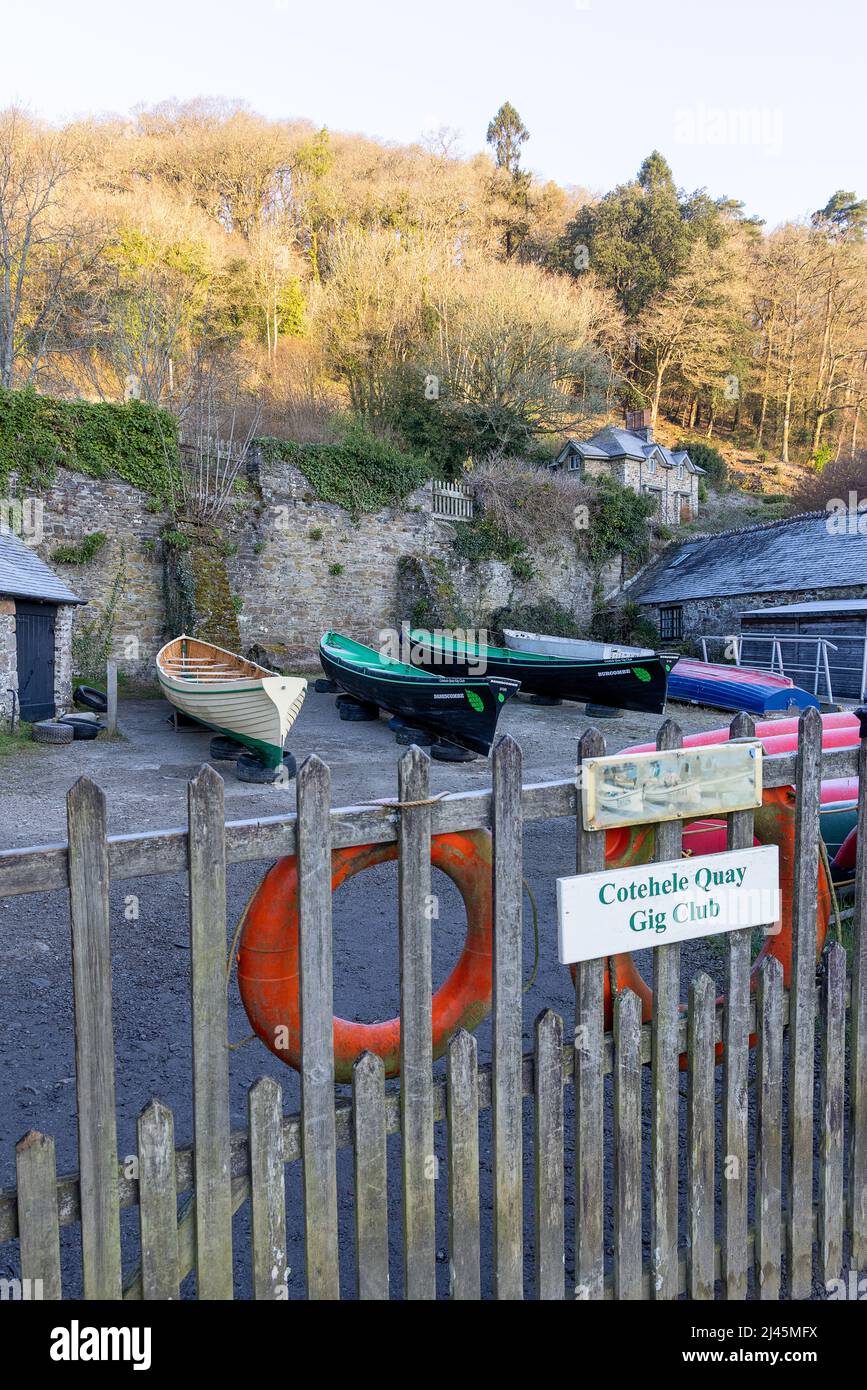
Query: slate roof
point(779, 557)
point(24, 575)
point(613, 443)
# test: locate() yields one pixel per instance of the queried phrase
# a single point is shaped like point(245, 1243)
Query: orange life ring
point(774, 824)
point(268, 961)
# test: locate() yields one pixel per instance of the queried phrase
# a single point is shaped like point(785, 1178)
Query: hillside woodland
point(301, 279)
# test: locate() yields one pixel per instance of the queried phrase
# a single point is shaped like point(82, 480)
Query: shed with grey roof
point(804, 576)
point(36, 609)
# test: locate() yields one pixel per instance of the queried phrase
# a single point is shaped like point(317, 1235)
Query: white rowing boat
point(239, 698)
point(571, 648)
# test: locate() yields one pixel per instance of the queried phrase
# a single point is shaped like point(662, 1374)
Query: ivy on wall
point(617, 524)
point(362, 473)
point(133, 441)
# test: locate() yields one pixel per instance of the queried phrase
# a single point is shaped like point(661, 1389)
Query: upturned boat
point(571, 648)
point(637, 683)
point(462, 710)
point(236, 697)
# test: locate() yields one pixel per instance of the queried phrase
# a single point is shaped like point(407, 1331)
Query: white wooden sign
point(653, 904)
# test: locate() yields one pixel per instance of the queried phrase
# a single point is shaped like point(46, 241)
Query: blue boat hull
point(752, 696)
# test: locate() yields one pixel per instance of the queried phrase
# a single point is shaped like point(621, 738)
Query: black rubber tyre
point(356, 711)
point(47, 731)
point(407, 736)
point(325, 687)
point(450, 753)
point(91, 699)
point(82, 728)
point(602, 712)
point(396, 724)
point(248, 768)
point(226, 750)
point(544, 700)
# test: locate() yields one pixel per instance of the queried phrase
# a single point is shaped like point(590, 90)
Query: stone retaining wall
point(296, 566)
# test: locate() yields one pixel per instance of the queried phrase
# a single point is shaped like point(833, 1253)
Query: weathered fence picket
point(463, 1139)
point(94, 1041)
point(371, 1177)
point(210, 1036)
point(700, 1139)
point(736, 1067)
point(267, 1189)
point(548, 1087)
point(224, 1169)
point(158, 1203)
point(857, 1187)
point(416, 1049)
point(665, 1071)
point(318, 1141)
point(833, 1045)
point(36, 1173)
point(588, 1073)
point(507, 853)
point(802, 1005)
point(769, 1130)
point(627, 1145)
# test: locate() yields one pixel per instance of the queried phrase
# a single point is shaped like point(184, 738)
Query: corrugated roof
point(800, 553)
point(24, 575)
point(831, 606)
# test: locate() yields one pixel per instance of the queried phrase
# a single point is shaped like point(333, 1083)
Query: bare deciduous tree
point(47, 246)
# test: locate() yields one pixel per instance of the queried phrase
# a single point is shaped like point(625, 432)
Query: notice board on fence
point(685, 783)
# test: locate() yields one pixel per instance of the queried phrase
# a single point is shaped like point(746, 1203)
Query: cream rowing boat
point(239, 698)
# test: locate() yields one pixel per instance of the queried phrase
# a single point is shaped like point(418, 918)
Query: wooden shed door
point(34, 632)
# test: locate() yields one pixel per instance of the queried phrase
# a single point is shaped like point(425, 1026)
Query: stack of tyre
point(361, 711)
point(249, 768)
point(79, 725)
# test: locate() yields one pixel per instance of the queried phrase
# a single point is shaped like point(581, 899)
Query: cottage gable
point(632, 457)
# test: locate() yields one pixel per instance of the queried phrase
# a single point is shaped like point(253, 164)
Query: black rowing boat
point(637, 683)
point(462, 710)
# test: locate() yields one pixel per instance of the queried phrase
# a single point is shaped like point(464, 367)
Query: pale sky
point(759, 99)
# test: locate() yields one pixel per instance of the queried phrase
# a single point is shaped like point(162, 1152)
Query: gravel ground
point(144, 776)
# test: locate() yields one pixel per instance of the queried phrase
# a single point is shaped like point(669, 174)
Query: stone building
point(36, 610)
point(705, 587)
point(633, 458)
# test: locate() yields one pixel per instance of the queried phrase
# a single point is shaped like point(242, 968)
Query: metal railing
point(815, 671)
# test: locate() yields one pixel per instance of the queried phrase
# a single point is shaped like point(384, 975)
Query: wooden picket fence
point(453, 501)
point(819, 1221)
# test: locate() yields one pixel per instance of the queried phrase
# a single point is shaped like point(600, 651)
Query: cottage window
point(671, 624)
point(651, 465)
point(680, 472)
point(655, 493)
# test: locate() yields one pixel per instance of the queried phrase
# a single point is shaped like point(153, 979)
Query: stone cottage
point(703, 587)
point(633, 458)
point(36, 610)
